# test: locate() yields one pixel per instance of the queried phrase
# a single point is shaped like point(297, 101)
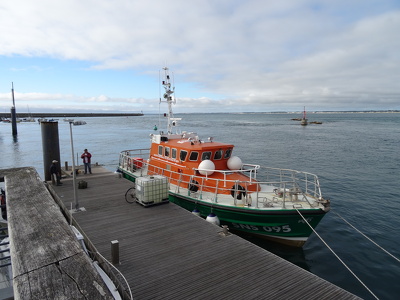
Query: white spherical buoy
point(196, 212)
point(235, 163)
point(213, 219)
point(206, 167)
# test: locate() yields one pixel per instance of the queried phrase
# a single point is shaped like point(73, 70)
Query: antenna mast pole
point(168, 97)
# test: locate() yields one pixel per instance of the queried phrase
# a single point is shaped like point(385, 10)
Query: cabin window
point(218, 154)
point(166, 151)
point(228, 153)
point(173, 153)
point(194, 155)
point(160, 150)
point(183, 155)
point(206, 155)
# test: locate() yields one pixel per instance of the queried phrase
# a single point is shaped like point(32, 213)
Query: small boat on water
point(28, 119)
point(205, 178)
point(304, 120)
point(40, 120)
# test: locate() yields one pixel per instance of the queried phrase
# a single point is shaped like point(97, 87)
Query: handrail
point(224, 172)
point(289, 181)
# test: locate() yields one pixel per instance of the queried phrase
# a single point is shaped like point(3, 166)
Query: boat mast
point(304, 120)
point(168, 98)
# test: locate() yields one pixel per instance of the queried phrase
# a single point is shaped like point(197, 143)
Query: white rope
point(387, 252)
point(337, 256)
point(119, 272)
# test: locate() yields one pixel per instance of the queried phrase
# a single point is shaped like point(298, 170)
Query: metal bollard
point(225, 229)
point(115, 252)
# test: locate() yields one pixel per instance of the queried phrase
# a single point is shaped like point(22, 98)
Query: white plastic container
point(151, 190)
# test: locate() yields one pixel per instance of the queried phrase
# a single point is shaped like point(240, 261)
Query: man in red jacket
point(86, 161)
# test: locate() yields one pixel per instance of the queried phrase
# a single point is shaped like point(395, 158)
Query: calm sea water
point(356, 156)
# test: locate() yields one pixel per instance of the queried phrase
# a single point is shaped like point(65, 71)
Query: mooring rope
point(387, 252)
point(337, 256)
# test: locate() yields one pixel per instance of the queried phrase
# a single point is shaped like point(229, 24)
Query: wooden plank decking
point(168, 253)
point(47, 261)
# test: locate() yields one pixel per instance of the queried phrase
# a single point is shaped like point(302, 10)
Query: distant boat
point(40, 120)
point(46, 120)
point(315, 122)
point(28, 119)
point(304, 121)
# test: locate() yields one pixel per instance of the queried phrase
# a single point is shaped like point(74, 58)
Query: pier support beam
point(14, 121)
point(13, 113)
point(50, 145)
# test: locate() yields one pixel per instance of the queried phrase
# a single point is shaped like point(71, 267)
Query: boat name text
point(282, 228)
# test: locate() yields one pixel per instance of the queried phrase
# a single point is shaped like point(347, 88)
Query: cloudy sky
point(225, 55)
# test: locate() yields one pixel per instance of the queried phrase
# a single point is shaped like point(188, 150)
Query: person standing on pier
point(86, 161)
point(55, 173)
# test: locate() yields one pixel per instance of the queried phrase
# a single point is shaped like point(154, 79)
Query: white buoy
point(213, 219)
point(196, 212)
point(206, 167)
point(235, 163)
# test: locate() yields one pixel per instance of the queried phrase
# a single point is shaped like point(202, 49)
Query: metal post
point(77, 208)
point(73, 169)
point(115, 252)
point(50, 146)
point(13, 113)
point(14, 122)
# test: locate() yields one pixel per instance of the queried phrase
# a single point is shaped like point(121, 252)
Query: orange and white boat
point(206, 178)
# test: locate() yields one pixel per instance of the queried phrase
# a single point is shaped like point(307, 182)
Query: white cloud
point(260, 53)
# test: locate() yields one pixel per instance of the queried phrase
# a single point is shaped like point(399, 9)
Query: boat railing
point(250, 172)
point(306, 182)
point(133, 160)
point(287, 184)
point(203, 187)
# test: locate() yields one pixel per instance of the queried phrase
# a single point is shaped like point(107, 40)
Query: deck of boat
point(168, 253)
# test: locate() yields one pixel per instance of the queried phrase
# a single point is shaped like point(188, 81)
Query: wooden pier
point(47, 261)
point(165, 252)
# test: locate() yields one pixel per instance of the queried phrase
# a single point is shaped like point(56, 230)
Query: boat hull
point(283, 226)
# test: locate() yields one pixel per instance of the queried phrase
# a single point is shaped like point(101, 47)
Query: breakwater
point(69, 115)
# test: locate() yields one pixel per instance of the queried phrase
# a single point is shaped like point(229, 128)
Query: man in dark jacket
point(86, 161)
point(55, 173)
